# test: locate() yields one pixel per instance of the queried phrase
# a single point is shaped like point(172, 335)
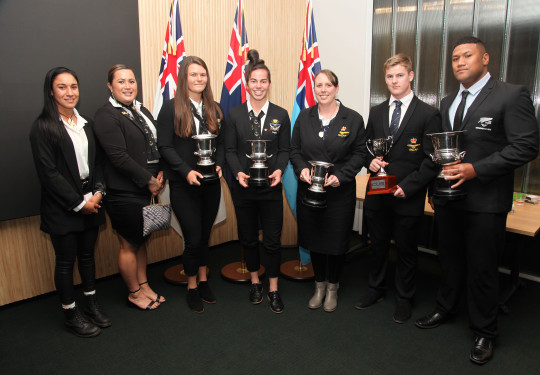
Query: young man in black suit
point(501, 134)
point(407, 119)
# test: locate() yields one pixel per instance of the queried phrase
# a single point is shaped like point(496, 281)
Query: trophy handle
point(196, 153)
point(269, 156)
point(248, 156)
point(462, 154)
point(368, 144)
point(391, 139)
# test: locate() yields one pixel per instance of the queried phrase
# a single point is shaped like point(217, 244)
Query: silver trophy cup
point(446, 151)
point(316, 195)
point(380, 147)
point(258, 172)
point(206, 164)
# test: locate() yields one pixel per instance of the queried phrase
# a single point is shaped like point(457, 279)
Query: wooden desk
point(524, 220)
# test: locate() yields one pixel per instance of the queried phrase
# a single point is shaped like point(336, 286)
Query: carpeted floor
point(235, 337)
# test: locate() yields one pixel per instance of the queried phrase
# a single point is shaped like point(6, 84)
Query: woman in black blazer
point(126, 131)
point(259, 119)
point(333, 133)
point(72, 186)
point(195, 202)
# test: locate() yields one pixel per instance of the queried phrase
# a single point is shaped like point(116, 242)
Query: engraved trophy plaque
point(382, 183)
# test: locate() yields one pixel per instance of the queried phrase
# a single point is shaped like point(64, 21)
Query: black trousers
point(327, 266)
point(383, 225)
point(470, 246)
point(195, 208)
point(68, 248)
point(270, 215)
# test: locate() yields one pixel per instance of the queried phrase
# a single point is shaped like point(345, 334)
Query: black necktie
point(460, 109)
point(256, 122)
point(203, 127)
point(396, 116)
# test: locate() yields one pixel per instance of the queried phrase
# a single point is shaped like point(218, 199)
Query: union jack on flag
point(234, 82)
point(173, 53)
point(310, 65)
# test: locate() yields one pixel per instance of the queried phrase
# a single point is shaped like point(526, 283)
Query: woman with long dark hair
point(127, 133)
point(259, 119)
point(195, 202)
point(332, 133)
point(72, 187)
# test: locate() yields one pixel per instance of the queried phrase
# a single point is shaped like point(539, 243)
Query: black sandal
point(158, 296)
point(132, 304)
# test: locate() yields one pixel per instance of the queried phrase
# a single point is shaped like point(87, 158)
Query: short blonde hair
point(399, 59)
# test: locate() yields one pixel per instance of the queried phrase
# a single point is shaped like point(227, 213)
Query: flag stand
point(294, 270)
point(237, 272)
point(175, 275)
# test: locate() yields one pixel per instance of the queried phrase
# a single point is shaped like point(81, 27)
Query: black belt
point(85, 185)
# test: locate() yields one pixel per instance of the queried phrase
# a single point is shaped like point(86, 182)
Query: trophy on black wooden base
point(258, 172)
point(206, 164)
point(446, 151)
point(382, 183)
point(316, 195)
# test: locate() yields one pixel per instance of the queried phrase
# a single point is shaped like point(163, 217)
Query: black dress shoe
point(403, 311)
point(77, 324)
point(194, 301)
point(482, 350)
point(371, 297)
point(94, 313)
point(205, 292)
point(256, 293)
point(432, 320)
point(276, 304)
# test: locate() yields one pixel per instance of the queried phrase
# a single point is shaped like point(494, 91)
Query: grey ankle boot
point(320, 290)
point(330, 303)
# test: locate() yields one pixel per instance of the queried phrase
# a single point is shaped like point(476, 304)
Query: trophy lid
point(204, 136)
point(321, 163)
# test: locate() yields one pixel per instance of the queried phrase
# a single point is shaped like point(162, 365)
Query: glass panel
point(459, 22)
point(381, 49)
point(405, 32)
point(430, 20)
point(522, 61)
point(491, 26)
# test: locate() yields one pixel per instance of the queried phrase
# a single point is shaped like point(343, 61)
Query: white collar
point(405, 101)
point(475, 89)
point(264, 107)
point(115, 103)
point(80, 120)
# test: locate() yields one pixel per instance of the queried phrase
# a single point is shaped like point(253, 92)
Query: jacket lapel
point(445, 108)
point(482, 95)
point(406, 118)
point(69, 155)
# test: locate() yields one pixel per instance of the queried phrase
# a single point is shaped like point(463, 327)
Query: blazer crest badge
point(413, 144)
point(343, 132)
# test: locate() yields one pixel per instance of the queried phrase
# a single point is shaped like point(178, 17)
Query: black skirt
point(328, 230)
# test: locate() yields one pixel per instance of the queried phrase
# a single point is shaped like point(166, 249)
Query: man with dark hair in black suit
point(407, 119)
point(500, 135)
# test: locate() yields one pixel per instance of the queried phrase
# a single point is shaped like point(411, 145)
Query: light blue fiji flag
point(310, 65)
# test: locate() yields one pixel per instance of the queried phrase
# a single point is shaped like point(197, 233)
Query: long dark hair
point(183, 118)
point(48, 121)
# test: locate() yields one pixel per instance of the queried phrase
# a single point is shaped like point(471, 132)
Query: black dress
point(328, 230)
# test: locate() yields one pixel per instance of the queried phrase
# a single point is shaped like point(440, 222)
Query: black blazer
point(344, 146)
point(277, 129)
point(124, 143)
point(61, 191)
point(409, 158)
point(501, 134)
point(178, 153)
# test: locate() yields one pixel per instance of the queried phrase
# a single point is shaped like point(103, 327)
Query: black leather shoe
point(205, 292)
point(276, 304)
point(403, 311)
point(432, 320)
point(77, 324)
point(371, 297)
point(194, 301)
point(94, 314)
point(256, 293)
point(482, 350)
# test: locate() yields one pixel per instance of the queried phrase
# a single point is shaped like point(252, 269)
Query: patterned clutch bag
point(156, 216)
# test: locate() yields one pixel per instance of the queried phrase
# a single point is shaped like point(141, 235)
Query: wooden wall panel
point(274, 28)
